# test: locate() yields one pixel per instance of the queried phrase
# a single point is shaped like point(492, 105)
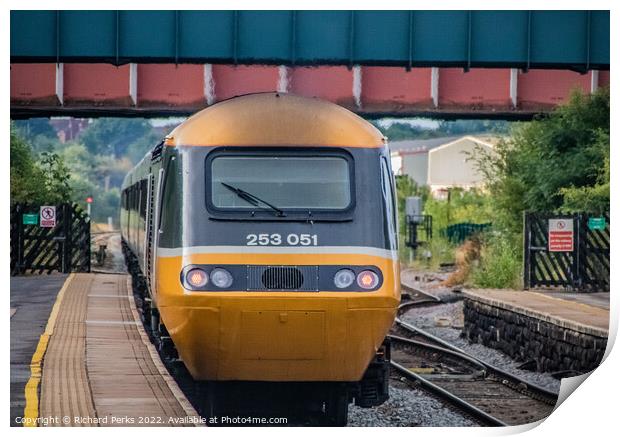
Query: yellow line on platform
point(31, 410)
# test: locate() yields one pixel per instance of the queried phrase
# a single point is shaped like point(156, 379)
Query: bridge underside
point(81, 89)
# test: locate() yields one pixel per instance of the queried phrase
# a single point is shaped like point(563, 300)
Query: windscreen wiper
point(254, 200)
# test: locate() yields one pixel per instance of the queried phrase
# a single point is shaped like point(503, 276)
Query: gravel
point(407, 407)
point(431, 283)
point(426, 318)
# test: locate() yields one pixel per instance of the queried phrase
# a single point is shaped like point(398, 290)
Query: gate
point(585, 267)
point(64, 247)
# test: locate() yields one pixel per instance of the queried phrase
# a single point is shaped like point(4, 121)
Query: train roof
point(275, 119)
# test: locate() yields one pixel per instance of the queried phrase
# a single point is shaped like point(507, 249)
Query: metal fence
point(459, 232)
point(581, 264)
point(64, 247)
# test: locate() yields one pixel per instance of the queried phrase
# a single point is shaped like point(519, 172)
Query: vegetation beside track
point(560, 162)
point(45, 169)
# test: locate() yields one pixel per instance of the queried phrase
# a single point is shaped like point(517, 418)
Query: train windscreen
point(286, 182)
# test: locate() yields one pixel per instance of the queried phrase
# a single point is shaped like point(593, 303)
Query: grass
point(499, 266)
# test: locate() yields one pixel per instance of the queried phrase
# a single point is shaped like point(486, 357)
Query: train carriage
point(262, 232)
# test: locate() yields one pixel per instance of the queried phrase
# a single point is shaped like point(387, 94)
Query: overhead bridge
point(508, 64)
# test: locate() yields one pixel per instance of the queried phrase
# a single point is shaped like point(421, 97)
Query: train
point(262, 237)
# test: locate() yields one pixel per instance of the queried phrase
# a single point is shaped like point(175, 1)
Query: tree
point(32, 181)
point(552, 163)
point(593, 198)
point(26, 176)
point(137, 149)
point(56, 178)
point(33, 127)
point(112, 136)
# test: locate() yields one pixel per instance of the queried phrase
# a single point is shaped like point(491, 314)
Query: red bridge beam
point(156, 89)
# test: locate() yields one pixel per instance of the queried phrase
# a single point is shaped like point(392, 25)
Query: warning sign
point(48, 216)
point(561, 235)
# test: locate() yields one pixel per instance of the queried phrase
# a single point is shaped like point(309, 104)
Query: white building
point(410, 157)
point(450, 165)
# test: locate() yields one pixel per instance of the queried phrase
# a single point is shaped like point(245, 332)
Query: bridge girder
point(167, 89)
point(576, 40)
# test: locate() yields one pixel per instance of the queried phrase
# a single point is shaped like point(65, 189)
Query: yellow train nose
point(277, 339)
point(276, 335)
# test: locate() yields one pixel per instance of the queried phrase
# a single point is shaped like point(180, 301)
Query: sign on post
point(48, 216)
point(561, 235)
point(30, 219)
point(596, 223)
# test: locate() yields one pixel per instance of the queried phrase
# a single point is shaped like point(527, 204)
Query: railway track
point(486, 393)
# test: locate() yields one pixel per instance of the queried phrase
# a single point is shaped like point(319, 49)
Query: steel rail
point(460, 403)
point(420, 291)
point(541, 391)
point(439, 349)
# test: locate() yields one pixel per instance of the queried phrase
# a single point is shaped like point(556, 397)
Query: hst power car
point(262, 232)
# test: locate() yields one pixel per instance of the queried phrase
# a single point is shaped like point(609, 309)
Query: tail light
point(367, 279)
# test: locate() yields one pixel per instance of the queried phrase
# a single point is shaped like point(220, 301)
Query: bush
point(45, 180)
point(500, 264)
point(553, 163)
point(473, 206)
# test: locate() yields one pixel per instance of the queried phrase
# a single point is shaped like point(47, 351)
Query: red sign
point(47, 217)
point(561, 235)
point(89, 199)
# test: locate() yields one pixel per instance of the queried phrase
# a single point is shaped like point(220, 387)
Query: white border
point(590, 411)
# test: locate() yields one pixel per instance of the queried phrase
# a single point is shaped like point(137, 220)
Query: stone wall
point(525, 338)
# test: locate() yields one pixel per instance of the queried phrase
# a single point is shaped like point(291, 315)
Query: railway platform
point(556, 332)
point(582, 312)
point(32, 298)
point(94, 365)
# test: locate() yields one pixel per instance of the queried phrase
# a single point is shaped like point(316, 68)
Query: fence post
point(577, 279)
point(66, 256)
point(526, 252)
point(20, 239)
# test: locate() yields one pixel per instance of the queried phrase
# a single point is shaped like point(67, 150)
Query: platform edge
point(31, 410)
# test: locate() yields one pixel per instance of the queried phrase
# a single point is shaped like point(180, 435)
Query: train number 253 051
point(278, 239)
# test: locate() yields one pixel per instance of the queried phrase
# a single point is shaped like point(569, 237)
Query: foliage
point(553, 163)
point(593, 198)
point(398, 131)
point(473, 206)
point(464, 127)
point(106, 205)
point(136, 150)
point(438, 251)
point(37, 132)
point(36, 181)
point(112, 136)
point(92, 166)
point(500, 263)
point(406, 187)
point(56, 179)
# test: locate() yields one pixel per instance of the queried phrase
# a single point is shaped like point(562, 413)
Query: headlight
point(221, 278)
point(367, 279)
point(344, 278)
point(197, 278)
